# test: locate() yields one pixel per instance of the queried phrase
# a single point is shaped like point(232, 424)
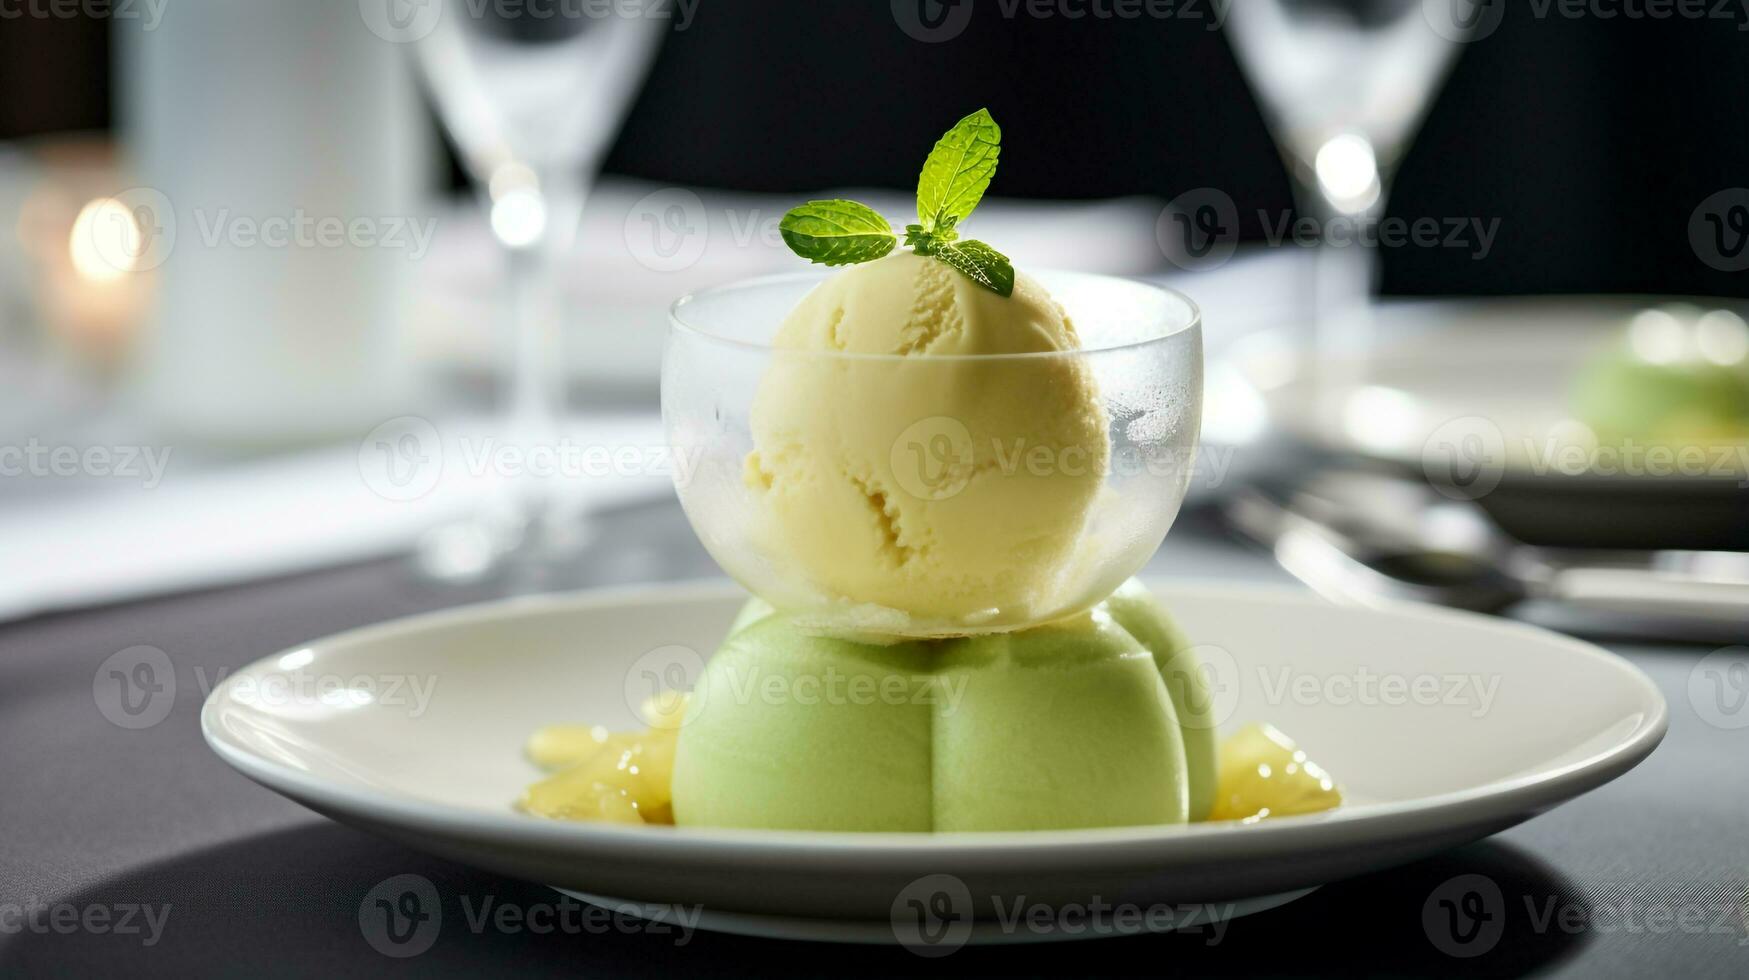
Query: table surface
point(139, 852)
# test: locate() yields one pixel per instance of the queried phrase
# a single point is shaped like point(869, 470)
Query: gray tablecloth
point(136, 852)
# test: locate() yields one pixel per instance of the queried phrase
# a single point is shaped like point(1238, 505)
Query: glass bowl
point(932, 496)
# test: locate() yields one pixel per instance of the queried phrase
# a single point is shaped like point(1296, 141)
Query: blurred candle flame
point(106, 241)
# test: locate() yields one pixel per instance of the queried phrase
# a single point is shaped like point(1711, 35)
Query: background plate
point(1434, 371)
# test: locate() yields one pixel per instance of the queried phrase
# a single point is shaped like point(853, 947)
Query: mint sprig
point(949, 189)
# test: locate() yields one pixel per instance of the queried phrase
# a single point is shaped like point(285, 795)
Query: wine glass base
point(525, 556)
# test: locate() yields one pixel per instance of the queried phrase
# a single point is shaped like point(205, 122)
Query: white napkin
point(287, 514)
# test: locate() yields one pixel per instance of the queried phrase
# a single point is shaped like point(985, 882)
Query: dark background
point(1591, 139)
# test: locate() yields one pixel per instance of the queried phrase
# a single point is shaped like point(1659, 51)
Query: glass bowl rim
point(678, 322)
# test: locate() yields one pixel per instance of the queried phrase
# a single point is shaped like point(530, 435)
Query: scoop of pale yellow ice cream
point(917, 482)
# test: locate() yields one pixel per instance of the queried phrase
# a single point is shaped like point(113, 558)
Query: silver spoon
point(1361, 537)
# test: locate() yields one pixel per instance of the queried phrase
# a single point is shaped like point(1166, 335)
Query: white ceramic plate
point(1443, 727)
point(1426, 371)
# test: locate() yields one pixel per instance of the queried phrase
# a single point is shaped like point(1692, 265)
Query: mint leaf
point(981, 263)
point(837, 232)
point(958, 171)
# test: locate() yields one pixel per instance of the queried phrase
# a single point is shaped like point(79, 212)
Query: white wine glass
point(1344, 84)
point(532, 98)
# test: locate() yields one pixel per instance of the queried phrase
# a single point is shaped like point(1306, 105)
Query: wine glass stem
point(1344, 275)
point(533, 395)
point(535, 399)
point(1346, 271)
